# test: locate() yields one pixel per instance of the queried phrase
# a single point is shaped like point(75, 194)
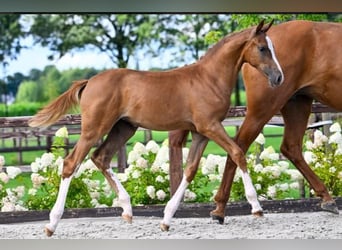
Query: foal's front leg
point(198, 145)
point(216, 132)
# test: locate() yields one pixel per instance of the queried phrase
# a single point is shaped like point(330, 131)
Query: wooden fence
point(22, 136)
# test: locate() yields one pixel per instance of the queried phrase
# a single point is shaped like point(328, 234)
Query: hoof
point(258, 214)
point(48, 232)
point(164, 227)
point(217, 217)
point(127, 218)
point(330, 206)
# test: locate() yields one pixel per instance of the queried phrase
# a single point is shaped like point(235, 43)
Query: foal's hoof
point(48, 232)
point(164, 227)
point(330, 206)
point(258, 214)
point(127, 218)
point(216, 216)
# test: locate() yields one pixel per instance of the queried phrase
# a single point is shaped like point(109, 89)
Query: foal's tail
point(52, 112)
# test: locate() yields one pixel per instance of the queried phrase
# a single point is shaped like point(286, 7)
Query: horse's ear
point(259, 27)
point(267, 27)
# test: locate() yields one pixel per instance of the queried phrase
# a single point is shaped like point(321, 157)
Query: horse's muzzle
point(275, 78)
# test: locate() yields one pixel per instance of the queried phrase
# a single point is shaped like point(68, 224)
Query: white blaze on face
point(270, 46)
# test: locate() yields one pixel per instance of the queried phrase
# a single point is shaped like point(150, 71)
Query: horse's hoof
point(217, 217)
point(330, 206)
point(127, 218)
point(258, 214)
point(48, 232)
point(164, 227)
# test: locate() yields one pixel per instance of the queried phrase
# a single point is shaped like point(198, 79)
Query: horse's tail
point(53, 111)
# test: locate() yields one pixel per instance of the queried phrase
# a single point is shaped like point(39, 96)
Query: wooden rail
point(17, 129)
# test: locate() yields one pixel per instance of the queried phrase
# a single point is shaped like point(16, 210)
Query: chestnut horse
point(311, 56)
point(117, 102)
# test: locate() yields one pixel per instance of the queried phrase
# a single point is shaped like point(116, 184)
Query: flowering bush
point(324, 155)
point(147, 177)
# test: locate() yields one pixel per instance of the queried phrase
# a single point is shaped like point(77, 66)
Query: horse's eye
point(262, 49)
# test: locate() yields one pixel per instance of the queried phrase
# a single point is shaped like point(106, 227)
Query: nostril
point(279, 79)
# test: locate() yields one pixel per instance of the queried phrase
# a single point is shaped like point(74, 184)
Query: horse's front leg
point(198, 145)
point(216, 132)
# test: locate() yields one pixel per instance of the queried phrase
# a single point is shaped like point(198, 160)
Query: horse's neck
point(225, 61)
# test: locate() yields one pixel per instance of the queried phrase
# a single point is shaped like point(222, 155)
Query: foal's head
point(259, 52)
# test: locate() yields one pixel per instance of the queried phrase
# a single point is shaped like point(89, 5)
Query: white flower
point(35, 167)
point(13, 172)
point(283, 165)
point(162, 156)
point(151, 191)
point(152, 147)
point(37, 180)
point(214, 177)
point(32, 191)
point(136, 174)
point(2, 161)
point(160, 195)
point(258, 168)
point(295, 174)
point(133, 156)
point(260, 139)
point(210, 164)
point(269, 154)
point(257, 186)
point(4, 177)
point(141, 163)
point(340, 175)
point(309, 157)
point(140, 149)
point(332, 170)
point(309, 145)
point(271, 191)
point(59, 163)
point(47, 160)
point(335, 127)
point(185, 152)
point(189, 195)
point(160, 178)
point(319, 138)
point(165, 167)
point(283, 186)
point(294, 185)
point(335, 138)
point(7, 206)
point(20, 191)
point(122, 177)
point(62, 132)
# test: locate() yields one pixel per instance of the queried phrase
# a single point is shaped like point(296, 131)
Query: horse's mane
point(222, 42)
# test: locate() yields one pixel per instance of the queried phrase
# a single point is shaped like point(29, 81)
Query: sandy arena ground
point(314, 225)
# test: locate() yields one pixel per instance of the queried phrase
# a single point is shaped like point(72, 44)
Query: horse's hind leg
point(198, 145)
point(102, 156)
point(296, 113)
point(71, 162)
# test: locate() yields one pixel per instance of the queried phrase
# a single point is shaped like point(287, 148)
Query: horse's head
point(259, 52)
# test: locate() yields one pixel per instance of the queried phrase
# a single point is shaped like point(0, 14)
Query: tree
point(28, 92)
point(116, 35)
point(10, 34)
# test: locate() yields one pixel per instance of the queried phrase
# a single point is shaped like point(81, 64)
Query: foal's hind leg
point(71, 162)
point(102, 157)
point(198, 145)
point(296, 113)
point(215, 131)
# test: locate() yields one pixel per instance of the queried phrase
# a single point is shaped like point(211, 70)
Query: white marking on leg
point(250, 192)
point(270, 46)
point(124, 198)
point(173, 204)
point(58, 208)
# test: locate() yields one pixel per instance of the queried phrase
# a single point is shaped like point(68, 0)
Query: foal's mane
point(223, 41)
